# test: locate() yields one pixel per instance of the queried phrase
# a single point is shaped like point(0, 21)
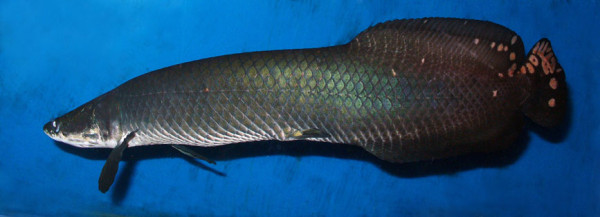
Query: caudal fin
point(547, 103)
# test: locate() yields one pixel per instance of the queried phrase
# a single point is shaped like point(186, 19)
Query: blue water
point(56, 55)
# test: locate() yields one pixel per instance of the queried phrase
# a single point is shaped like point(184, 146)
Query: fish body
point(404, 90)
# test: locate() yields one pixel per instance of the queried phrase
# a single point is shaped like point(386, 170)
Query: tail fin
point(547, 103)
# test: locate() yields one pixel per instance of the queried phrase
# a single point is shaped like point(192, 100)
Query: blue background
point(56, 55)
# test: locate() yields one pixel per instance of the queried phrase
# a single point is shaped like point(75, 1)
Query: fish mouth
point(51, 128)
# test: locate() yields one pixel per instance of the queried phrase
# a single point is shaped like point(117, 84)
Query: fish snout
point(51, 128)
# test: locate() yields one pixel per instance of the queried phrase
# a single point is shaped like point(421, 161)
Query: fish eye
point(55, 126)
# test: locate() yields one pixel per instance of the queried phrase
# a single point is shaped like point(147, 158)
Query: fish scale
point(404, 90)
point(260, 104)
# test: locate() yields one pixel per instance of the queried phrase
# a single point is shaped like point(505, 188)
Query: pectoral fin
point(189, 152)
point(109, 171)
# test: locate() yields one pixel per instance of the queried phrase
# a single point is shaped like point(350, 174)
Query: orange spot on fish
point(523, 70)
point(500, 47)
point(530, 68)
point(536, 47)
point(553, 83)
point(494, 93)
point(552, 103)
point(501, 75)
point(543, 47)
point(547, 68)
point(550, 55)
point(512, 56)
point(513, 40)
point(534, 60)
point(476, 41)
point(493, 45)
point(512, 69)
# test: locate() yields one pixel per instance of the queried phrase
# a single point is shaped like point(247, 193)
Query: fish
point(403, 90)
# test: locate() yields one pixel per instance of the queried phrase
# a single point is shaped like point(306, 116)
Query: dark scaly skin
point(405, 90)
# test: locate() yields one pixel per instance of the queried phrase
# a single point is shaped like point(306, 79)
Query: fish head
point(84, 127)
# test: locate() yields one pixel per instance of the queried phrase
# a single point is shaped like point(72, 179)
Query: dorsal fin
point(437, 43)
point(383, 34)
